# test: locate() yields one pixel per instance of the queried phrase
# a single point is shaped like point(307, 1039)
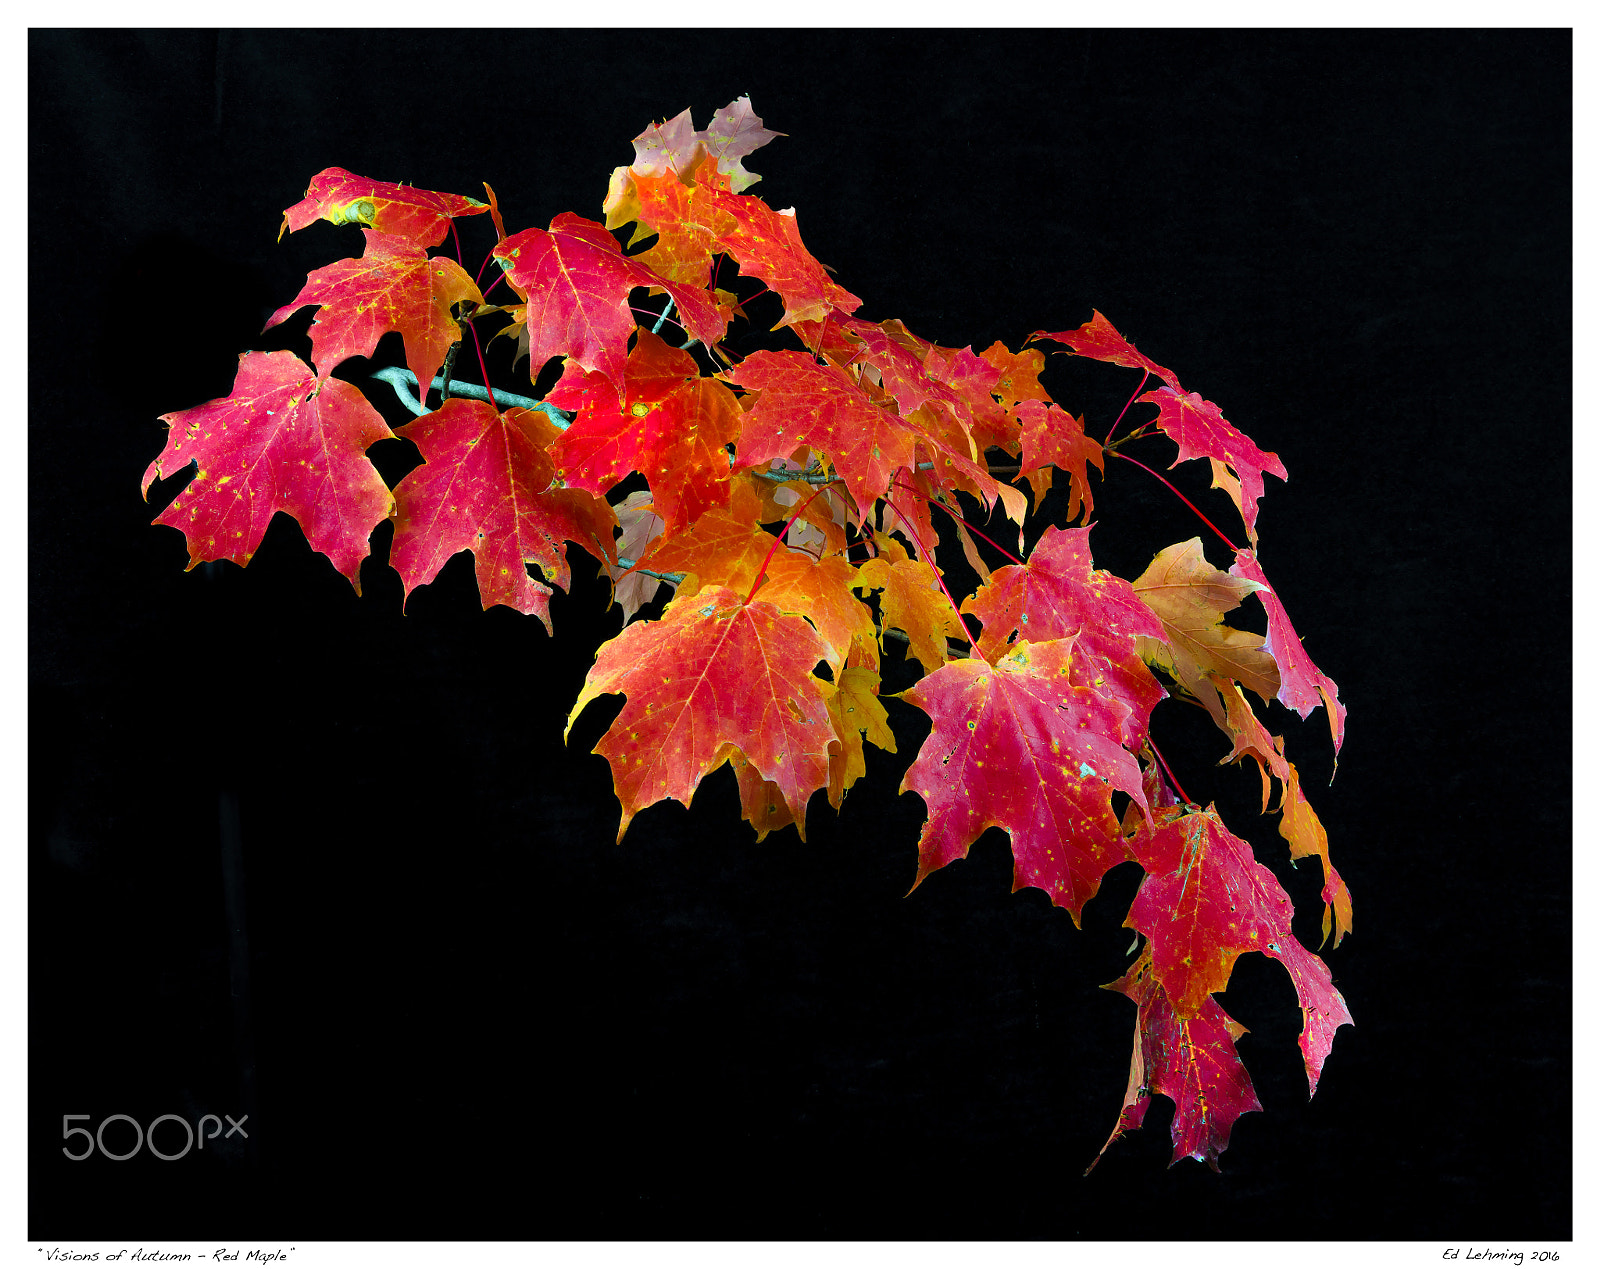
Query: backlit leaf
point(283, 440)
point(342, 198)
point(714, 671)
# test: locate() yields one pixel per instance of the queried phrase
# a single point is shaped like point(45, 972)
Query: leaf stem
point(1160, 757)
point(482, 364)
point(1186, 502)
point(644, 312)
point(761, 573)
point(1142, 381)
point(934, 502)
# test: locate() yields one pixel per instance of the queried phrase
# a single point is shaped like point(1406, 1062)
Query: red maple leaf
point(1059, 593)
point(285, 439)
point(1053, 438)
point(1101, 340)
point(343, 198)
point(767, 245)
point(668, 422)
point(1017, 745)
point(576, 282)
point(1303, 687)
point(978, 382)
point(1205, 902)
point(484, 487)
point(802, 403)
point(1201, 432)
point(1299, 826)
point(395, 286)
point(901, 369)
point(715, 671)
point(1192, 1060)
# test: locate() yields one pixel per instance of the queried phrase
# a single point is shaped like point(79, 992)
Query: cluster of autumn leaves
point(787, 498)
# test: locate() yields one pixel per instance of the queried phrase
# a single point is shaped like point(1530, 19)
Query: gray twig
point(404, 384)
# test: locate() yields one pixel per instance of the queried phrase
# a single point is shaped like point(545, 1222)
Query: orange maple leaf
point(714, 671)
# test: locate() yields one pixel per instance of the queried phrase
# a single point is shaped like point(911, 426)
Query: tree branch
point(404, 384)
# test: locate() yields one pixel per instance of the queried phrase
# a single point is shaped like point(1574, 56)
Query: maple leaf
point(803, 403)
point(667, 422)
point(343, 198)
point(484, 487)
point(714, 671)
point(699, 214)
point(576, 280)
point(977, 381)
point(1299, 825)
point(395, 286)
point(688, 228)
point(947, 418)
point(284, 439)
point(856, 713)
point(1303, 687)
point(1052, 437)
point(724, 547)
point(821, 591)
point(901, 370)
point(728, 549)
point(640, 526)
point(673, 146)
point(1322, 1009)
point(1194, 1061)
point(1190, 597)
point(766, 244)
point(1188, 418)
point(954, 465)
point(1306, 836)
point(1018, 374)
point(1099, 339)
point(760, 800)
point(735, 133)
point(1201, 432)
point(1058, 593)
point(912, 602)
point(1017, 745)
point(1205, 902)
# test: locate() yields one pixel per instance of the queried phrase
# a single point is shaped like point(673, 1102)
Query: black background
point(453, 1007)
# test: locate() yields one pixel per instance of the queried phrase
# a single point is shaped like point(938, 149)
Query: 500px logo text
point(195, 1136)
